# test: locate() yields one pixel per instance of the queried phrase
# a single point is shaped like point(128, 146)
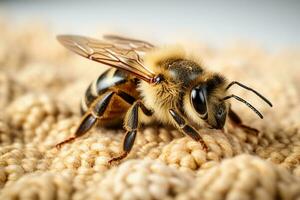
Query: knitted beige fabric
point(41, 85)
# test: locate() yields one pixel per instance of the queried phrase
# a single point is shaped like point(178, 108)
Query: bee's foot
point(117, 159)
point(204, 146)
point(249, 129)
point(59, 145)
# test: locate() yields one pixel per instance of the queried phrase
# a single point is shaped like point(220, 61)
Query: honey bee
point(147, 82)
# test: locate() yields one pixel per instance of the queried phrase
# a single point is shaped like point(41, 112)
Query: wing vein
point(115, 51)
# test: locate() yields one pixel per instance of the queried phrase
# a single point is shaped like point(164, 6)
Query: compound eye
point(198, 98)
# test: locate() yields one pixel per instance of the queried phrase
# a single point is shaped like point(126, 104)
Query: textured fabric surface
point(41, 85)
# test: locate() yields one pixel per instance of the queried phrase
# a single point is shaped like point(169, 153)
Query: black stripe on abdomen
point(88, 98)
point(109, 78)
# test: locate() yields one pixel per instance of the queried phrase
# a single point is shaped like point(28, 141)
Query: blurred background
point(272, 24)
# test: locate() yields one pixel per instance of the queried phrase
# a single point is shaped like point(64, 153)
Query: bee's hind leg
point(86, 124)
point(237, 121)
point(131, 123)
point(90, 118)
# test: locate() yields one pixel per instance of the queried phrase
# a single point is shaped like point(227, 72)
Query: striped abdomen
point(112, 80)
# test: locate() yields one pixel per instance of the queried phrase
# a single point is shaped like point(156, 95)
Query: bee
point(147, 82)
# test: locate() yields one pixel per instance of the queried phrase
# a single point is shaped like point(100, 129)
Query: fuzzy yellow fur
point(163, 97)
point(154, 96)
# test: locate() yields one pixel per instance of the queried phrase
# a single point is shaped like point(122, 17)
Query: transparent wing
point(138, 45)
point(115, 51)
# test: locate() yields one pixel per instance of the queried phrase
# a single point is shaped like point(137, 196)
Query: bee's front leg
point(131, 123)
point(187, 129)
point(237, 121)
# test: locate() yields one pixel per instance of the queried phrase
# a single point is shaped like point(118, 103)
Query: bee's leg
point(237, 121)
point(131, 123)
point(90, 118)
point(187, 129)
point(87, 122)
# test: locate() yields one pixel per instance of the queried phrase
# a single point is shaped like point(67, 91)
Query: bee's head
point(206, 100)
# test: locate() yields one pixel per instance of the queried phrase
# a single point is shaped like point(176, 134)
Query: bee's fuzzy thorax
point(156, 56)
point(159, 55)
